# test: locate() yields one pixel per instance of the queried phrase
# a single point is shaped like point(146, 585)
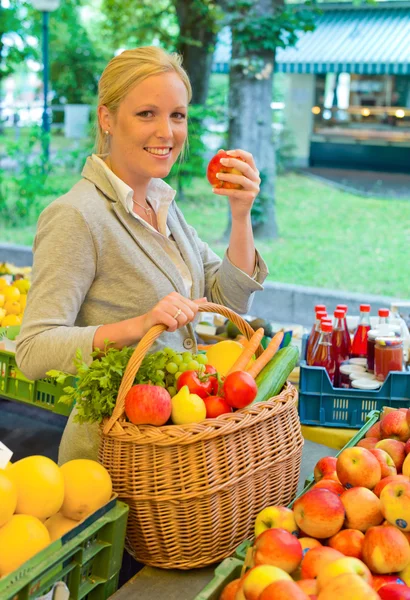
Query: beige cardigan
point(95, 264)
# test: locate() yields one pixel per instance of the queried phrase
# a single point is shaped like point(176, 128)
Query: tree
point(258, 28)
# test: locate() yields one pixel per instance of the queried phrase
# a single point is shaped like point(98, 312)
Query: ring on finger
point(179, 311)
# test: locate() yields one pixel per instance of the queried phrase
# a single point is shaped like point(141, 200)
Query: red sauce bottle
point(314, 336)
point(324, 356)
point(359, 344)
point(341, 348)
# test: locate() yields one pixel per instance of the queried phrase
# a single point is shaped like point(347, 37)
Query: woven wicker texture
point(195, 490)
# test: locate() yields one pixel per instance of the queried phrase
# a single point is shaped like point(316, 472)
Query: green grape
point(177, 374)
point(178, 359)
point(187, 356)
point(172, 391)
point(171, 367)
point(160, 374)
point(183, 367)
point(193, 365)
point(202, 359)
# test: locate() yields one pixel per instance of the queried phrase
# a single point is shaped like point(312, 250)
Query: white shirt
point(159, 195)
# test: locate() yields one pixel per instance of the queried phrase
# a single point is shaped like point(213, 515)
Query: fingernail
point(218, 175)
point(223, 161)
point(231, 152)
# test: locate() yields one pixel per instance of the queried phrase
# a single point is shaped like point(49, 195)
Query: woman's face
point(150, 127)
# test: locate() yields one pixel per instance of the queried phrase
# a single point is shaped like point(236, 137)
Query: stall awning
point(370, 41)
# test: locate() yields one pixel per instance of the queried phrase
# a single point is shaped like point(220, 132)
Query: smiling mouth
point(159, 151)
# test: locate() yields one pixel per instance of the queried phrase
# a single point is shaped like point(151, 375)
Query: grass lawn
point(327, 238)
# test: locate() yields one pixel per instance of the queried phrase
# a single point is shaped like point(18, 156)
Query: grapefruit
point(87, 486)
point(40, 486)
point(20, 539)
point(8, 498)
point(223, 355)
point(58, 525)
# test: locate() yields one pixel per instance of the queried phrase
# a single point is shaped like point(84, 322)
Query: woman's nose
point(164, 129)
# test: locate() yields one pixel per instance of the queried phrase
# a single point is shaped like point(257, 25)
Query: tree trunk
point(250, 120)
point(197, 57)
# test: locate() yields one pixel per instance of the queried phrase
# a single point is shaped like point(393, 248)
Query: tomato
point(240, 389)
point(215, 167)
point(210, 370)
point(197, 384)
point(215, 406)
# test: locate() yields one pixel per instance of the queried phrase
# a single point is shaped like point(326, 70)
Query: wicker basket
point(194, 490)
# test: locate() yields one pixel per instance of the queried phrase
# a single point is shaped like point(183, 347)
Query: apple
point(319, 513)
point(316, 559)
point(362, 508)
point(257, 579)
point(406, 467)
point(394, 425)
point(407, 446)
point(380, 580)
point(148, 405)
point(215, 167)
point(230, 590)
point(385, 549)
point(383, 482)
point(275, 516)
point(348, 586)
point(358, 467)
point(394, 591)
point(395, 504)
point(368, 442)
point(309, 586)
point(347, 564)
point(349, 542)
point(308, 543)
point(331, 485)
point(396, 450)
point(408, 416)
point(404, 575)
point(325, 467)
point(374, 431)
point(386, 462)
point(283, 590)
point(279, 548)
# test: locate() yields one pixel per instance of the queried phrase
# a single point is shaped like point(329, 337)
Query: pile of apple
point(348, 536)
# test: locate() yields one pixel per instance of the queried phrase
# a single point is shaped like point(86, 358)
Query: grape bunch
point(165, 366)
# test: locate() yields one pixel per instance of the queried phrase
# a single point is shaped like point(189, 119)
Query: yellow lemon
point(23, 285)
point(11, 293)
point(223, 355)
point(3, 283)
point(20, 539)
point(187, 408)
point(2, 300)
point(8, 498)
point(2, 314)
point(10, 320)
point(23, 301)
point(12, 308)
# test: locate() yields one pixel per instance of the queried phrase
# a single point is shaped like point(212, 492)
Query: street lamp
point(46, 7)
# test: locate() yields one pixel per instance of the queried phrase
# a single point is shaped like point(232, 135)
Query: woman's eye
point(145, 113)
point(179, 116)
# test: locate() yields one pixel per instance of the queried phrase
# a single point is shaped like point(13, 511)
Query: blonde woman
point(115, 256)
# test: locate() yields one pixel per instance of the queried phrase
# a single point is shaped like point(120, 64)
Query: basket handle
point(145, 344)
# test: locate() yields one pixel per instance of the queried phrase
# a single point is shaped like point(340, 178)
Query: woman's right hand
point(174, 311)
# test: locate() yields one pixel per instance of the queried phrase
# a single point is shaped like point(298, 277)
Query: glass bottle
point(341, 349)
point(324, 356)
point(348, 341)
point(314, 336)
point(382, 329)
point(359, 344)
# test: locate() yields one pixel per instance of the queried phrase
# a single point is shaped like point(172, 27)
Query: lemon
point(223, 355)
point(12, 308)
point(11, 293)
point(3, 283)
point(2, 314)
point(2, 300)
point(23, 285)
point(23, 301)
point(10, 320)
point(187, 408)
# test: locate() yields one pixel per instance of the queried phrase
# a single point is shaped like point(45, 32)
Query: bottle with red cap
point(314, 336)
point(324, 356)
point(359, 344)
point(341, 348)
point(348, 341)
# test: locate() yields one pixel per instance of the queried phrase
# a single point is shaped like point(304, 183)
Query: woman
point(115, 256)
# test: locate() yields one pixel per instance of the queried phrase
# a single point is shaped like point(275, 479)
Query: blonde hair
point(125, 71)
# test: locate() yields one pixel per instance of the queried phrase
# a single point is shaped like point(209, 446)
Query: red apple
point(394, 425)
point(380, 580)
point(319, 513)
point(148, 405)
point(347, 564)
point(229, 591)
point(383, 482)
point(363, 508)
point(358, 467)
point(396, 450)
point(309, 586)
point(325, 466)
point(315, 560)
point(308, 543)
point(374, 431)
point(386, 462)
point(275, 516)
point(215, 167)
point(346, 587)
point(331, 485)
point(257, 579)
point(279, 548)
point(283, 590)
point(215, 406)
point(394, 591)
point(385, 549)
point(407, 446)
point(368, 442)
point(349, 542)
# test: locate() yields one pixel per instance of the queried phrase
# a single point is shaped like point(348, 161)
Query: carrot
point(250, 349)
point(266, 355)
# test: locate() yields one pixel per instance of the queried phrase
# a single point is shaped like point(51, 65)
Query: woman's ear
point(104, 118)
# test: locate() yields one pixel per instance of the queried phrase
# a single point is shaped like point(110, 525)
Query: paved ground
point(367, 183)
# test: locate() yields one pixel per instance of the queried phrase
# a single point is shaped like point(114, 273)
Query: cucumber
point(271, 379)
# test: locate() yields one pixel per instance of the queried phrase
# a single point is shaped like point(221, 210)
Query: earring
point(107, 132)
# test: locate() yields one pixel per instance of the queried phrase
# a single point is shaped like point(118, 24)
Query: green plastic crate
point(43, 393)
point(371, 419)
point(87, 558)
point(227, 571)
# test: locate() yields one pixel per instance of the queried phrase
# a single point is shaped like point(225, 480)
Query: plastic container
point(361, 362)
point(227, 571)
point(87, 559)
point(365, 384)
point(359, 344)
point(345, 372)
point(362, 375)
point(388, 356)
point(43, 393)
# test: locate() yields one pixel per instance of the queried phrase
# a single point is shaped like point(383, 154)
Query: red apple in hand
point(215, 167)
point(148, 405)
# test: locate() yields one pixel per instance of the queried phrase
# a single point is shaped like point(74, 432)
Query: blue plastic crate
point(322, 404)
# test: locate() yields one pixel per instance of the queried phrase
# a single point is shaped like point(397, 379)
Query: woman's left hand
point(241, 201)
